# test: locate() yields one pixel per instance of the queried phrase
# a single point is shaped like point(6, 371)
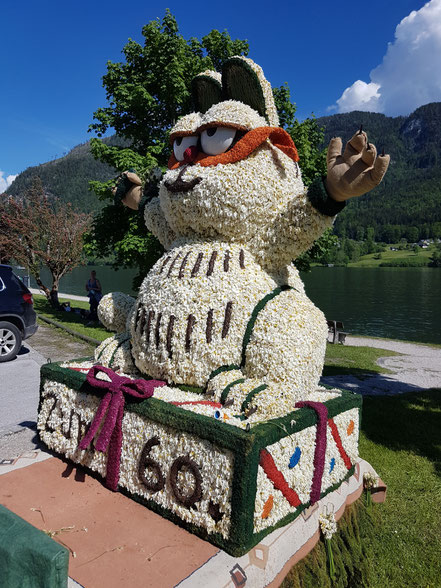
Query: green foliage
point(323, 251)
point(307, 136)
point(150, 90)
point(413, 262)
point(146, 95)
point(119, 232)
point(435, 260)
point(351, 548)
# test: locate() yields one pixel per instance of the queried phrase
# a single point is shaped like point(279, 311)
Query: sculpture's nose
point(190, 154)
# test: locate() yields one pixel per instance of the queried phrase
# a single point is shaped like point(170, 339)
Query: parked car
point(18, 320)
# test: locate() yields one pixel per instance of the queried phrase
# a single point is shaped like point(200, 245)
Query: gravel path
point(418, 368)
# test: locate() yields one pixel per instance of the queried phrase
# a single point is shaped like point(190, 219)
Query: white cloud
point(360, 96)
point(5, 182)
point(410, 73)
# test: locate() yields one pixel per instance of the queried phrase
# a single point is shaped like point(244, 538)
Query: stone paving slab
point(114, 541)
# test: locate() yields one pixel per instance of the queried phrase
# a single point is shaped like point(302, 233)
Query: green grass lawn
point(70, 319)
point(358, 361)
point(401, 438)
point(405, 255)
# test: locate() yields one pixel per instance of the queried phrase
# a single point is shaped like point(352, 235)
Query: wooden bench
point(336, 334)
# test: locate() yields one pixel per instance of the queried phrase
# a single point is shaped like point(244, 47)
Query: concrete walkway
point(20, 382)
point(61, 295)
point(417, 368)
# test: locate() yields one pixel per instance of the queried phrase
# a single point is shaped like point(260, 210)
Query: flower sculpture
point(205, 404)
point(224, 309)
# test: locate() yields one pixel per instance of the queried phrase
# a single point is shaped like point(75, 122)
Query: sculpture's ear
point(243, 80)
point(206, 90)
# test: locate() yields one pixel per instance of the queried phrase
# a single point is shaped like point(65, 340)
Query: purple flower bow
point(113, 402)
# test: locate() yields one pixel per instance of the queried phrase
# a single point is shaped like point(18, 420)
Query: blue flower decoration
point(295, 457)
point(332, 464)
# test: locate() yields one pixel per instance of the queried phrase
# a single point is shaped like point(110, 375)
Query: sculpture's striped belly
point(193, 309)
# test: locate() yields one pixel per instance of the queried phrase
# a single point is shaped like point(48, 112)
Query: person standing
point(95, 294)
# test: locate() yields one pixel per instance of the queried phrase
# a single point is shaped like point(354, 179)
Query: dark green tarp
point(28, 557)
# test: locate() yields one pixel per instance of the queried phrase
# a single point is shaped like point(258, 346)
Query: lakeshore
point(396, 303)
point(396, 367)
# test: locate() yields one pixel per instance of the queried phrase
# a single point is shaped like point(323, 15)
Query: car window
point(18, 283)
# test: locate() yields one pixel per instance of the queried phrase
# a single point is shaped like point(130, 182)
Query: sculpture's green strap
point(120, 344)
point(246, 338)
point(223, 368)
point(102, 350)
point(187, 388)
point(258, 308)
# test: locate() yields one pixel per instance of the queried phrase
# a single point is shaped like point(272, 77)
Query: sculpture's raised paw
point(128, 190)
point(115, 353)
point(357, 170)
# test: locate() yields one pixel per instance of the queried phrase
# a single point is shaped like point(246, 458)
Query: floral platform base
point(229, 479)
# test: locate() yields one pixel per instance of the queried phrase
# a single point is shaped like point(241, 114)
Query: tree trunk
point(43, 287)
point(53, 299)
point(54, 292)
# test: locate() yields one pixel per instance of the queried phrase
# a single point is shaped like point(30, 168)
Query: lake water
point(398, 303)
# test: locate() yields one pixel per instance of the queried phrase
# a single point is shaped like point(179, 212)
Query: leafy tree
point(323, 251)
point(146, 94)
point(435, 259)
point(352, 250)
point(39, 232)
point(370, 239)
point(412, 234)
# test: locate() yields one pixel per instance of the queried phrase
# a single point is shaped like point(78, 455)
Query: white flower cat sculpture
point(224, 308)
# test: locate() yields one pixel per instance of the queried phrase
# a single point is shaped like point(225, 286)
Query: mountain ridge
point(405, 205)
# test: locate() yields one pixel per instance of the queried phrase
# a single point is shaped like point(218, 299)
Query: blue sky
point(336, 56)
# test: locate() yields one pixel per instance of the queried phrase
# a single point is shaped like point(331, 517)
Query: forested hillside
point(408, 202)
point(68, 177)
